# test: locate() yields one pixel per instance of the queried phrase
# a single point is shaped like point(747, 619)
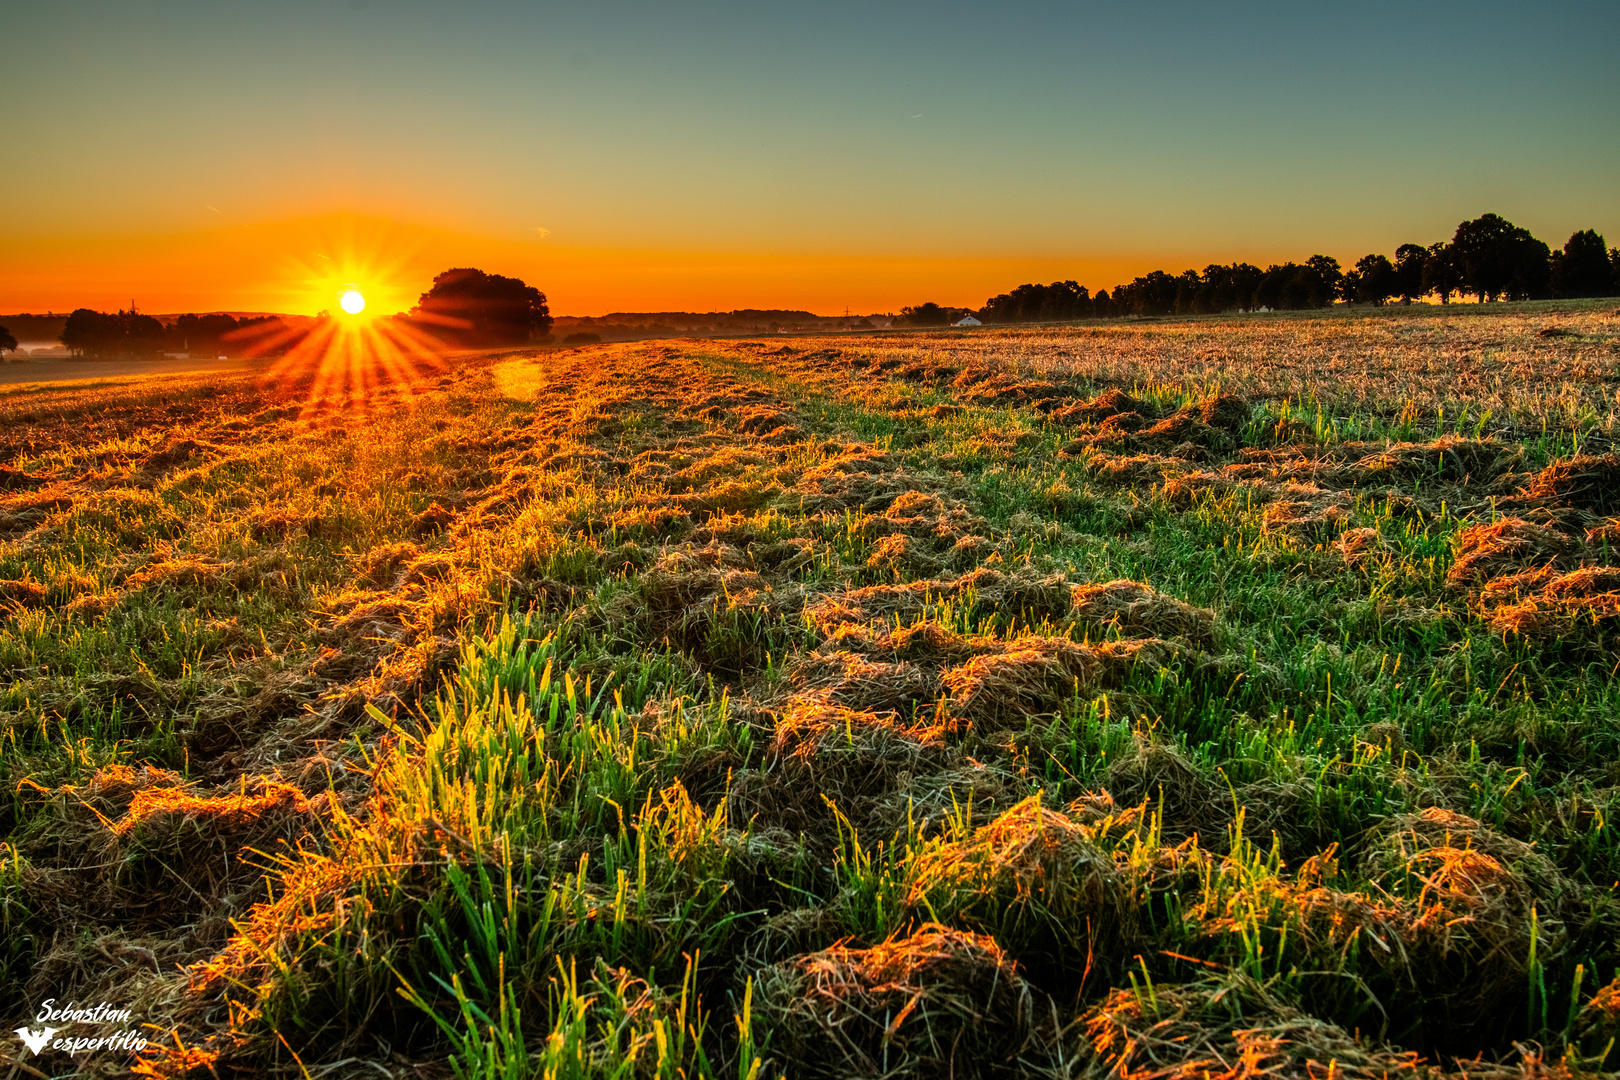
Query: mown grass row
point(502, 847)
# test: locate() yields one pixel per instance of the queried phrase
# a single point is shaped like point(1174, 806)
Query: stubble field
point(1223, 697)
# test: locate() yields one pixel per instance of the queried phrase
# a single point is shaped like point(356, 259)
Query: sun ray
point(358, 357)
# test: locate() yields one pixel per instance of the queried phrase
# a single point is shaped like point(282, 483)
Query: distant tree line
point(1488, 257)
point(465, 307)
point(622, 325)
point(129, 333)
point(741, 319)
point(931, 314)
point(25, 329)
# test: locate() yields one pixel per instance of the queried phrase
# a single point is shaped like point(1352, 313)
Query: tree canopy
point(95, 333)
point(1498, 258)
point(1441, 274)
point(1039, 303)
point(929, 314)
point(202, 333)
point(1225, 288)
point(1584, 267)
point(7, 341)
point(1373, 281)
point(1292, 286)
point(1151, 294)
point(468, 307)
point(1409, 262)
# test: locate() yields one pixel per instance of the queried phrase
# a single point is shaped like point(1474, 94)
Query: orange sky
point(302, 265)
point(194, 155)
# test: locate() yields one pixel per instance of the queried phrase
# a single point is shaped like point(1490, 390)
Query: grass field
point(1224, 697)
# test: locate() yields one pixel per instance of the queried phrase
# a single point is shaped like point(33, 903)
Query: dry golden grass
point(1419, 360)
point(938, 1002)
point(1227, 1030)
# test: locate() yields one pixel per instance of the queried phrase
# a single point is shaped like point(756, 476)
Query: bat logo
point(36, 1041)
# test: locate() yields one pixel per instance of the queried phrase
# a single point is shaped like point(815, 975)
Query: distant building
point(967, 320)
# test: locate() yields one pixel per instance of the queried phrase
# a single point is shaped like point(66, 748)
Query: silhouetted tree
point(920, 314)
point(1582, 268)
point(87, 331)
point(1245, 281)
point(1532, 271)
point(1039, 303)
point(1291, 286)
point(1409, 260)
point(1329, 280)
point(471, 308)
point(1350, 286)
point(201, 333)
point(1498, 258)
point(1226, 288)
point(1274, 286)
point(95, 333)
point(7, 342)
point(262, 335)
point(1213, 291)
point(1441, 273)
point(1151, 294)
point(1187, 285)
point(929, 314)
point(1065, 300)
point(1374, 280)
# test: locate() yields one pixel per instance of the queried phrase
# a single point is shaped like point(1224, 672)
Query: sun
point(357, 354)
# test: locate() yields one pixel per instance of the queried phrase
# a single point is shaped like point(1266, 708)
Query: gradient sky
point(640, 156)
